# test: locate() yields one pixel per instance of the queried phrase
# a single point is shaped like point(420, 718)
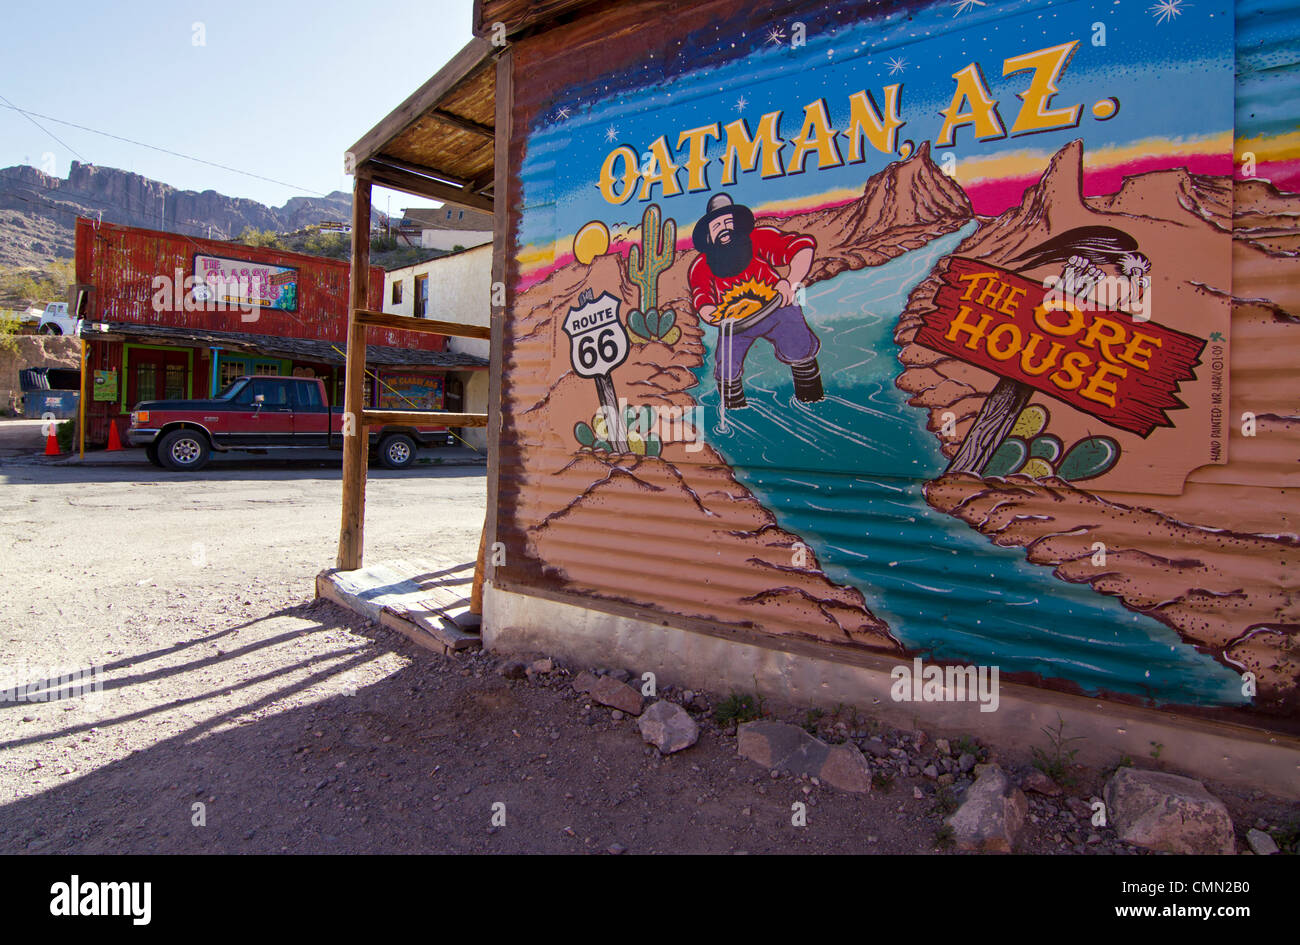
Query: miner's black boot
point(807, 381)
point(732, 393)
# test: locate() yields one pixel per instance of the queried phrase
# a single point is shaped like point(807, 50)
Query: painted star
point(897, 65)
point(611, 134)
point(1167, 10)
point(741, 103)
point(965, 6)
point(563, 113)
point(776, 35)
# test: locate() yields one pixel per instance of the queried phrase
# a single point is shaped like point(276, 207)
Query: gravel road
point(240, 715)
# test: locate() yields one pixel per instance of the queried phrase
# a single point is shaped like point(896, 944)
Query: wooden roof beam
point(400, 178)
point(473, 127)
point(483, 182)
point(385, 160)
point(475, 55)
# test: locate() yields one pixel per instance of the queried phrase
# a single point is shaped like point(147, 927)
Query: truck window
point(308, 395)
point(274, 391)
point(241, 392)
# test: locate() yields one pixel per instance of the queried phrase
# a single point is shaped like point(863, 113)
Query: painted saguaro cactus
point(644, 264)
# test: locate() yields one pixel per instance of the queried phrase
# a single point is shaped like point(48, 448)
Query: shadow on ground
point(415, 762)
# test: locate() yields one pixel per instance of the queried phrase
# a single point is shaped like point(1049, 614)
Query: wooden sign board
point(1106, 363)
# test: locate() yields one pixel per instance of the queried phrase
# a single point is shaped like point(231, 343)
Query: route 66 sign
point(599, 341)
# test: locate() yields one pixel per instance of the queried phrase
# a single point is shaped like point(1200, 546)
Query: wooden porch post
point(355, 445)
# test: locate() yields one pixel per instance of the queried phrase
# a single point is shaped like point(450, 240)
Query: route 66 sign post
point(599, 343)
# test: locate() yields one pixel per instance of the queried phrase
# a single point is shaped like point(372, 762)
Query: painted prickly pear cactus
point(644, 264)
point(641, 441)
point(1030, 451)
point(653, 325)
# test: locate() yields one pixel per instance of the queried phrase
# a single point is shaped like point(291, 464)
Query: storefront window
point(230, 370)
point(146, 381)
point(175, 382)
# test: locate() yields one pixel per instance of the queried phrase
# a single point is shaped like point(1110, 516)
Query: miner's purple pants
point(785, 329)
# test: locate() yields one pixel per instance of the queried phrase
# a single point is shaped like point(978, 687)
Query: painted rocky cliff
point(1217, 561)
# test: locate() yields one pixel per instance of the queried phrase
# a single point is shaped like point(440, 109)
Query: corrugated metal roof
point(304, 349)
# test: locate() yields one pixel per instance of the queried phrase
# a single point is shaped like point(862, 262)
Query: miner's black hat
point(718, 205)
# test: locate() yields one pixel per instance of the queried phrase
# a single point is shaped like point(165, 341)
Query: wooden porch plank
point(408, 593)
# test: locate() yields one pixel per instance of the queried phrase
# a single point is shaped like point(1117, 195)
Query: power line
point(42, 127)
point(32, 116)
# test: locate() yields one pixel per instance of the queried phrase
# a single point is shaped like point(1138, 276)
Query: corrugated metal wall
point(122, 263)
point(835, 525)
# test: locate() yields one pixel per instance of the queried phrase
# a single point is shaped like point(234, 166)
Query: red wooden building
point(168, 316)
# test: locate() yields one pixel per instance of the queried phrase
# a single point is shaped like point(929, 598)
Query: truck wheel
point(51, 330)
point(396, 451)
point(184, 450)
point(151, 453)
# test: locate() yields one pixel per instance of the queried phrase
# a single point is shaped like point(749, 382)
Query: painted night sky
point(1170, 66)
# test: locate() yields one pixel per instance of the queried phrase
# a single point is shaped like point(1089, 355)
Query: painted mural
point(923, 331)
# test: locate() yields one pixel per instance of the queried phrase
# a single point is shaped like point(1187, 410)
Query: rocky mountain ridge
point(38, 210)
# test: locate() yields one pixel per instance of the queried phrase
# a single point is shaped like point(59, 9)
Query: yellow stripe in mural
point(975, 170)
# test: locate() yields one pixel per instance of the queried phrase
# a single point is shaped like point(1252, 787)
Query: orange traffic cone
point(52, 444)
point(113, 442)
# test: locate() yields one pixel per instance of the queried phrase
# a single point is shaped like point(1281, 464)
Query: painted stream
point(846, 475)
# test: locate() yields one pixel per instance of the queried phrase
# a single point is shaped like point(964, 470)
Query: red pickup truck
point(259, 413)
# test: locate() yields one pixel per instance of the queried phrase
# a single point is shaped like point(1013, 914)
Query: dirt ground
point(238, 715)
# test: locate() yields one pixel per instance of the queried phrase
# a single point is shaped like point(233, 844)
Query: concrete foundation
point(519, 624)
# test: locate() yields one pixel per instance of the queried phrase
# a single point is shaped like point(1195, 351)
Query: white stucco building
point(449, 227)
point(453, 288)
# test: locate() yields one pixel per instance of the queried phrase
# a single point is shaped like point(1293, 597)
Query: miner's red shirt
point(772, 248)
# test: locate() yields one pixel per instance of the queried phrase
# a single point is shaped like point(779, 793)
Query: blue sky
point(280, 89)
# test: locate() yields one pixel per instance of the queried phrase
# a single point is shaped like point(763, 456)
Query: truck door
point(264, 415)
point(311, 416)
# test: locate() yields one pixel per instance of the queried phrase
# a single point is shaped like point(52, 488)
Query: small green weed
point(1058, 759)
point(738, 707)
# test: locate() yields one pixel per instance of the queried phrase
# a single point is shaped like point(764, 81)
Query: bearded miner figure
point(737, 285)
